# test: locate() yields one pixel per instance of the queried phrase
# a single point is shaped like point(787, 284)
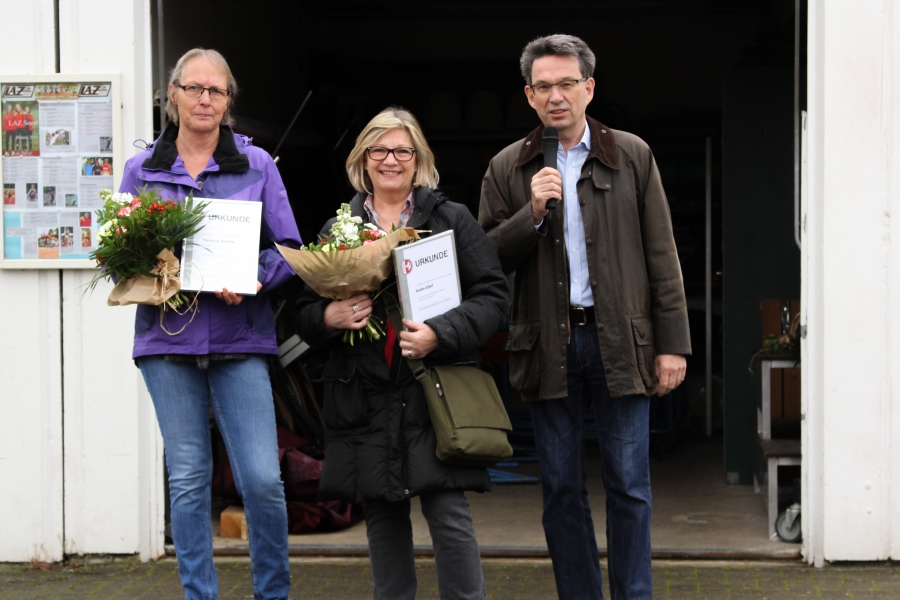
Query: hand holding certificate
point(224, 254)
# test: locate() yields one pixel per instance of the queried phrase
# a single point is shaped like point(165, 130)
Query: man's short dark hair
point(558, 44)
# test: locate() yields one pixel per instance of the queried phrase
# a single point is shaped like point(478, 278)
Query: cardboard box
point(786, 393)
point(771, 315)
point(785, 382)
point(791, 395)
point(233, 523)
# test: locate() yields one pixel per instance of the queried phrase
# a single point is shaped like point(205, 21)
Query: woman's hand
point(419, 338)
point(231, 298)
point(352, 313)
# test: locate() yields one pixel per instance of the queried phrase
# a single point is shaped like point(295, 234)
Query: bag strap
point(393, 310)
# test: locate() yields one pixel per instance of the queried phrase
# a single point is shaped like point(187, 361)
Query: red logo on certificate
point(407, 266)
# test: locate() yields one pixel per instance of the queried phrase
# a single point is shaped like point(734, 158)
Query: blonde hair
point(216, 58)
point(390, 118)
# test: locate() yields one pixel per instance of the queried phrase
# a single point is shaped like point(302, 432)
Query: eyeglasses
point(403, 154)
point(566, 86)
point(195, 91)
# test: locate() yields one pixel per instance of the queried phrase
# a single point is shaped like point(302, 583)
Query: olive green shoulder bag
point(467, 413)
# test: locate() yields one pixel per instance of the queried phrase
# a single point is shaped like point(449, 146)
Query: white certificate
point(428, 276)
point(225, 253)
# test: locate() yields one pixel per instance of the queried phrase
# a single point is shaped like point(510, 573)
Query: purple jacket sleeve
point(279, 227)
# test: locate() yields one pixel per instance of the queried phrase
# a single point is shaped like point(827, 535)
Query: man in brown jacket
point(598, 313)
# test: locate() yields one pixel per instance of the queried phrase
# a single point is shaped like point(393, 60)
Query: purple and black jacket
point(237, 171)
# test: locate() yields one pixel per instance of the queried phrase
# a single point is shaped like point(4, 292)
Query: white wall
point(80, 453)
point(851, 262)
point(113, 494)
point(31, 474)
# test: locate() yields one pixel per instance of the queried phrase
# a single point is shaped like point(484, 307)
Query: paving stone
point(506, 579)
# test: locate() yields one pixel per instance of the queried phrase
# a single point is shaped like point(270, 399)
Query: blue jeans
point(240, 395)
point(456, 555)
point(624, 430)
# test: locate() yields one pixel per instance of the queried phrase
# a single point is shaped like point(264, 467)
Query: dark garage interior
point(709, 84)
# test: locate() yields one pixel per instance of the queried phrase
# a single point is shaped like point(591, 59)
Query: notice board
point(61, 145)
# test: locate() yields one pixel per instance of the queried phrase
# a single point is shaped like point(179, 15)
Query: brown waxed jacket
point(639, 302)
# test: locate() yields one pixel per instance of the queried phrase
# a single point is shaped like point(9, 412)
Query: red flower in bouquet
point(136, 240)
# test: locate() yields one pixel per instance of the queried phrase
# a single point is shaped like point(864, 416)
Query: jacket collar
point(425, 201)
point(226, 154)
point(603, 145)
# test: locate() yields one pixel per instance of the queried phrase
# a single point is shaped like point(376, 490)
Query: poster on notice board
point(59, 148)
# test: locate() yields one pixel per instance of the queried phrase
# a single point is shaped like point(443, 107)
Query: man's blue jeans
point(240, 395)
point(624, 430)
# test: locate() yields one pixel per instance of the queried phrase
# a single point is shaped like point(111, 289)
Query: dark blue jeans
point(624, 430)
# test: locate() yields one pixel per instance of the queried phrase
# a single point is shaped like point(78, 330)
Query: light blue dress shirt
point(569, 166)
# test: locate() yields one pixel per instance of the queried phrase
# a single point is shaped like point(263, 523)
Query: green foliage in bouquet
point(135, 229)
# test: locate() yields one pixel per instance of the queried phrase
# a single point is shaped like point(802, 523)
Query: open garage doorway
point(710, 85)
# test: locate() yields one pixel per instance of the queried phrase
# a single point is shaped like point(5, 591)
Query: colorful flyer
point(56, 154)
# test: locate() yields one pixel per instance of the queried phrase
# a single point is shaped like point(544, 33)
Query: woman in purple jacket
point(218, 361)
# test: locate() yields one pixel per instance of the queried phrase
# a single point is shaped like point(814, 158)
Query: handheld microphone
point(550, 144)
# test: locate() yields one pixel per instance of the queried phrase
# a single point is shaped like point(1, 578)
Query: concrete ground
point(506, 579)
point(695, 515)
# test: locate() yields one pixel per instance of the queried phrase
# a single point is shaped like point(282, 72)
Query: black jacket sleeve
point(485, 291)
point(309, 319)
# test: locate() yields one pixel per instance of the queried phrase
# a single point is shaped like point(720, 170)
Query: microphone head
point(550, 133)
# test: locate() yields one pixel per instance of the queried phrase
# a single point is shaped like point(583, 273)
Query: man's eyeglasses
point(566, 86)
point(403, 154)
point(195, 91)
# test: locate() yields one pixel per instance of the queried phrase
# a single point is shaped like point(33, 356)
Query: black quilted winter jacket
point(379, 440)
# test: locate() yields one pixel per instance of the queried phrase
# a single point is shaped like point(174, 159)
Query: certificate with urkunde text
point(224, 254)
point(428, 276)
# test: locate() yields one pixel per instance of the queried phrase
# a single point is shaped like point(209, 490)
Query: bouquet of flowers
point(135, 243)
point(354, 258)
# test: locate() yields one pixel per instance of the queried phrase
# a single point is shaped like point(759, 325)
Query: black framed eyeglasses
point(565, 86)
point(403, 154)
point(195, 91)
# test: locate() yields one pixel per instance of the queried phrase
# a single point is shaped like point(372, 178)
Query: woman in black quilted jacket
point(380, 445)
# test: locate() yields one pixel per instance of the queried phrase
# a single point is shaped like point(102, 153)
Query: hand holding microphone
point(546, 185)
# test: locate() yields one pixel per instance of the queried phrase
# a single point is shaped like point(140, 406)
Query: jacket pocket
point(259, 315)
point(344, 405)
point(642, 329)
point(524, 357)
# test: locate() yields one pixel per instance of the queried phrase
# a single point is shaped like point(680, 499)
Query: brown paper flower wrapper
point(345, 273)
point(143, 289)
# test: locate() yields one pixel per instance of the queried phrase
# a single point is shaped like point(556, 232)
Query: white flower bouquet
point(354, 258)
